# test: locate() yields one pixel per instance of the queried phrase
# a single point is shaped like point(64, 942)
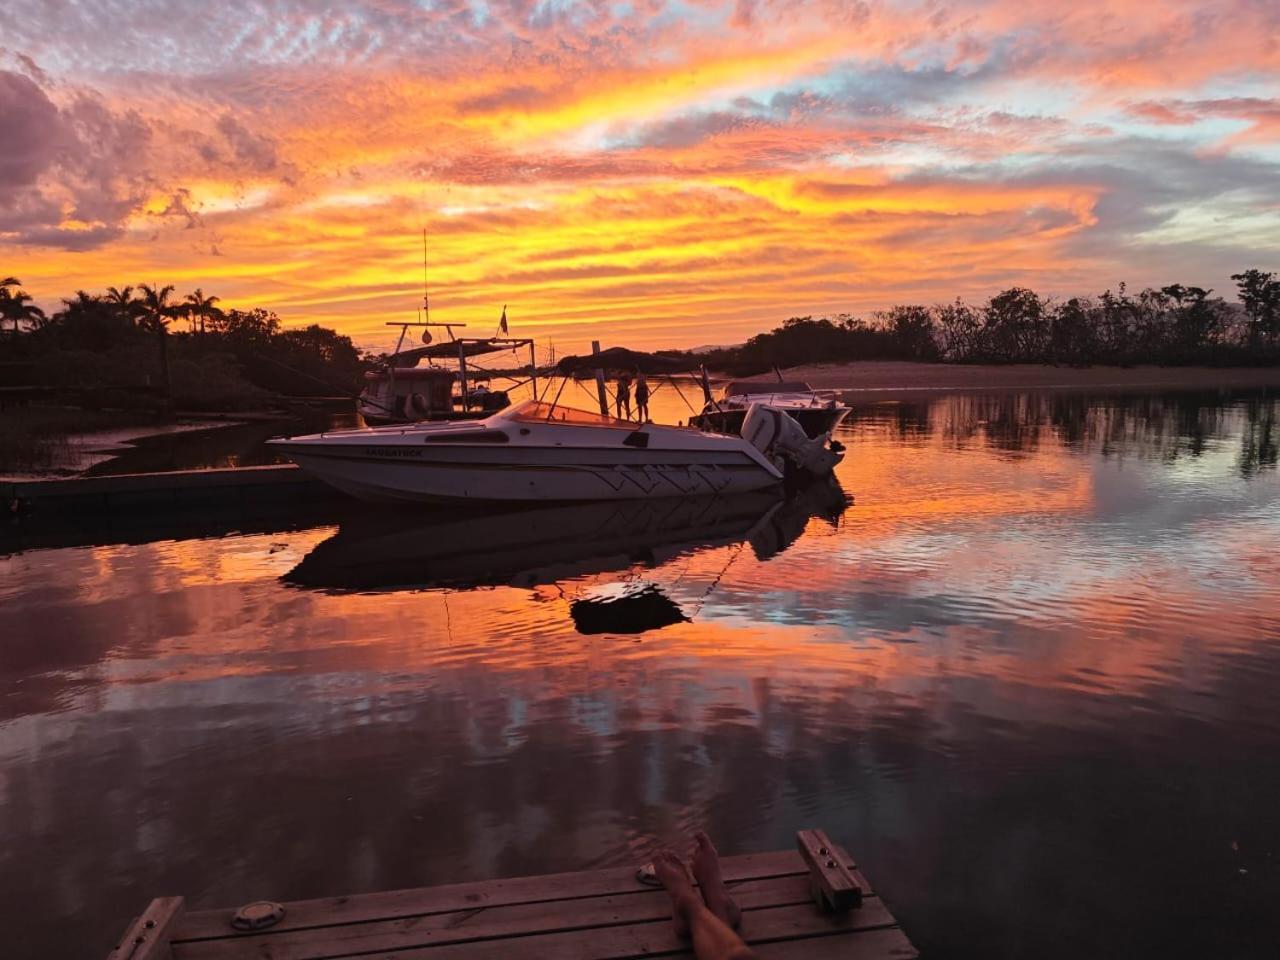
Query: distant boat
point(405, 391)
point(538, 451)
point(818, 415)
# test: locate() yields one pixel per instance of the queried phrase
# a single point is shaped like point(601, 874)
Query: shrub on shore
point(1174, 325)
point(38, 439)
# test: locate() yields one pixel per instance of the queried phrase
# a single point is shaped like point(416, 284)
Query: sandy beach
point(890, 380)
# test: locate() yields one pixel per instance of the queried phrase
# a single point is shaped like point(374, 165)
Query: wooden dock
point(592, 915)
point(177, 488)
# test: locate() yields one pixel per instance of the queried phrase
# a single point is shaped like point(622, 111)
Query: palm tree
point(82, 299)
point(124, 301)
point(157, 313)
point(198, 305)
point(17, 305)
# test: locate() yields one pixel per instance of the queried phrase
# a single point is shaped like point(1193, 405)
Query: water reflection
point(1035, 665)
point(1165, 426)
point(584, 543)
point(241, 444)
point(473, 547)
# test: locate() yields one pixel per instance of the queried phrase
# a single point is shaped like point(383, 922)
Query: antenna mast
point(426, 306)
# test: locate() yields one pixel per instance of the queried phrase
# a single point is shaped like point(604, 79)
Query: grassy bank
point(873, 379)
point(41, 439)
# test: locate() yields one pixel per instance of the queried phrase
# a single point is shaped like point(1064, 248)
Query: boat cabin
point(404, 392)
point(398, 394)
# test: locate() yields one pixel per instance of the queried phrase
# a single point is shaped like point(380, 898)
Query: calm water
point(1030, 676)
point(236, 445)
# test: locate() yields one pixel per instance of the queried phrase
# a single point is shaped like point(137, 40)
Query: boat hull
point(453, 473)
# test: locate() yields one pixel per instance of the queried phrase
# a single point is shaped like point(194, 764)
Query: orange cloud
point(619, 172)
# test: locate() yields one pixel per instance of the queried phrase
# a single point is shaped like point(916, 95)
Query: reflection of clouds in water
point(990, 663)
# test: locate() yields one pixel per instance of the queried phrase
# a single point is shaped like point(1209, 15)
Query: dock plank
point(654, 938)
point(603, 914)
point(889, 943)
point(645, 905)
point(389, 905)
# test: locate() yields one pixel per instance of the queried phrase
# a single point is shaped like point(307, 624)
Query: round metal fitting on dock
point(258, 915)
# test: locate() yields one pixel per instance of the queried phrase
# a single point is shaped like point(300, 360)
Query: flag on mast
point(502, 323)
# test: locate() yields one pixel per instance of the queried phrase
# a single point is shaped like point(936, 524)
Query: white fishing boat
point(819, 415)
point(539, 451)
point(420, 384)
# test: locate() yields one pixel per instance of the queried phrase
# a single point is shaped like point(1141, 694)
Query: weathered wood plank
point(147, 938)
point(647, 905)
point(393, 904)
point(657, 938)
point(834, 886)
point(886, 944)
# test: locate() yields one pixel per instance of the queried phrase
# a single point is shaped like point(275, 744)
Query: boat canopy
point(411, 373)
point(467, 347)
point(620, 359)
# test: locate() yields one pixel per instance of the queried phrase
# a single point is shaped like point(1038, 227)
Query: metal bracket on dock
point(833, 885)
point(258, 915)
point(148, 936)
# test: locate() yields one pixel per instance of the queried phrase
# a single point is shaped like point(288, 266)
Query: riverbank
point(51, 442)
point(892, 380)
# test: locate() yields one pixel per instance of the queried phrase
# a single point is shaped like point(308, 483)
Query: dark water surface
point(1030, 677)
point(222, 445)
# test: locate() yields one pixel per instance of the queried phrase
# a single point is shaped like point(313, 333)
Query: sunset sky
point(654, 173)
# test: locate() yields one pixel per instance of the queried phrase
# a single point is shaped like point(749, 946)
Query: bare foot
point(706, 869)
point(674, 876)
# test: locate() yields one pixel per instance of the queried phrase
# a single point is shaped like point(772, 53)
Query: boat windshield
point(537, 411)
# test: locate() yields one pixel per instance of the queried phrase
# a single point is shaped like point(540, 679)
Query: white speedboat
point(818, 415)
point(543, 452)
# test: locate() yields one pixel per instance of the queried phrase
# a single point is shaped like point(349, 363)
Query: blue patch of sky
point(1201, 133)
point(698, 15)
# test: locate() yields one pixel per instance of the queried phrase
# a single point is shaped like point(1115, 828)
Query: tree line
point(128, 344)
point(125, 339)
point(1172, 325)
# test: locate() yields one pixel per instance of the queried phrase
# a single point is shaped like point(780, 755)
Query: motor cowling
point(777, 435)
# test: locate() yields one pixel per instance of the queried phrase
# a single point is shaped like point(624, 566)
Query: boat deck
point(590, 915)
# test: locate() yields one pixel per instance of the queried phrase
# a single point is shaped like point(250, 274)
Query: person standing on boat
point(642, 397)
point(623, 399)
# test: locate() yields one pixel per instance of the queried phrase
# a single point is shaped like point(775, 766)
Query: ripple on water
point(1046, 632)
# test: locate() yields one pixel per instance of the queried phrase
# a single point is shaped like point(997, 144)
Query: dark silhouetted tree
point(199, 307)
point(911, 328)
point(17, 305)
point(1260, 295)
point(157, 312)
